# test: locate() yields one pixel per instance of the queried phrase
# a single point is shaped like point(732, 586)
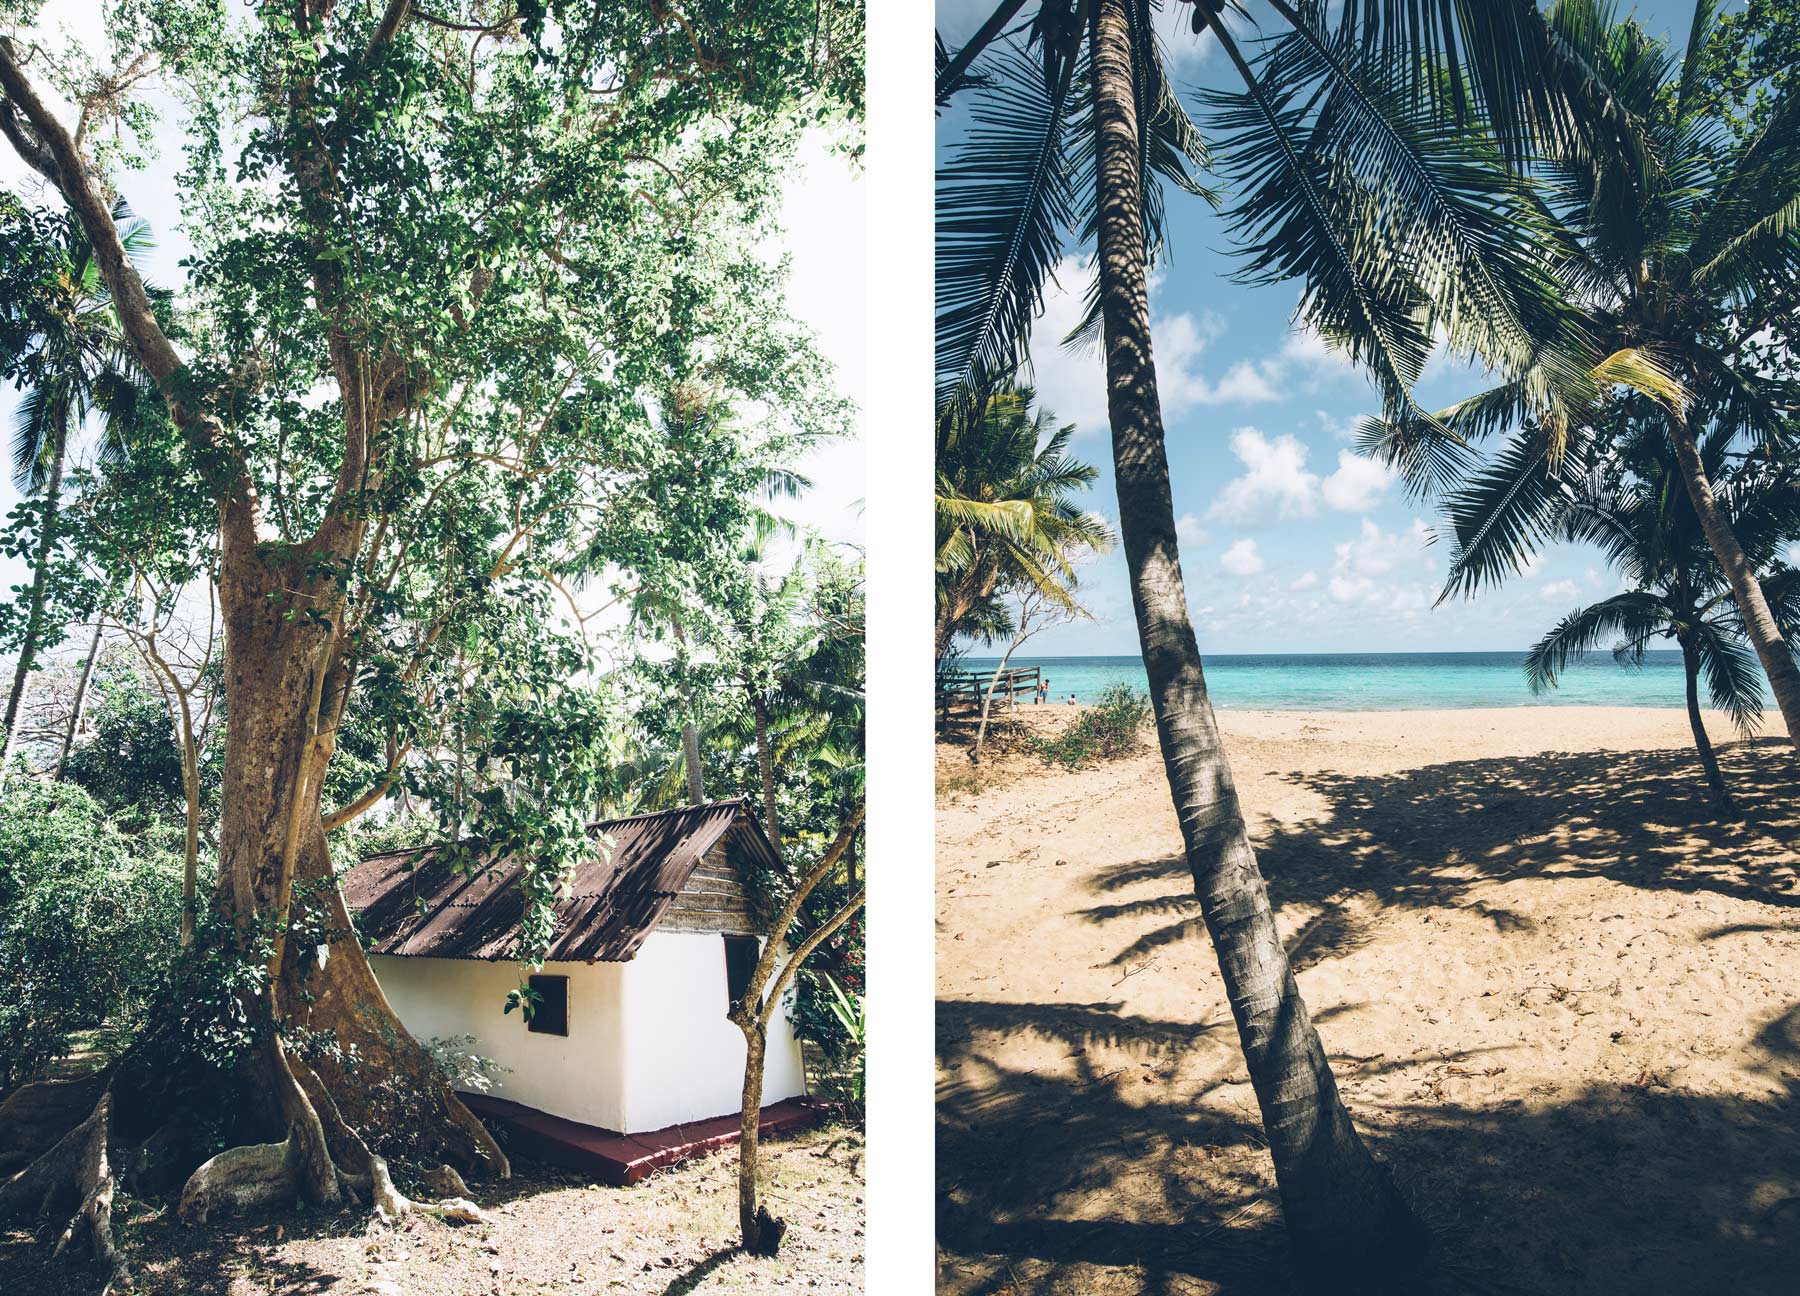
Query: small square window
point(741, 953)
point(550, 1014)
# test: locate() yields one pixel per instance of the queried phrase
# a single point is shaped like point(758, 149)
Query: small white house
point(655, 940)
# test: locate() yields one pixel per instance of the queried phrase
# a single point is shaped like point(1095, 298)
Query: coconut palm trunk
point(40, 587)
point(1759, 623)
point(765, 768)
point(1690, 666)
point(79, 706)
point(690, 760)
point(1343, 1213)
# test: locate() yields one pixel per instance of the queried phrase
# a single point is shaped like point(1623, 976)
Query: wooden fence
point(959, 689)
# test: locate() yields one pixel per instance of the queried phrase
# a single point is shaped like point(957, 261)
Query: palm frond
point(1734, 677)
point(1633, 616)
point(1299, 216)
point(1003, 203)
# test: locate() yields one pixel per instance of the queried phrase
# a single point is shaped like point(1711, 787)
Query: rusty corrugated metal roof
point(415, 903)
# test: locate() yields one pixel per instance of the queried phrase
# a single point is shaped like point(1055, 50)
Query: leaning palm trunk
point(1690, 665)
point(1759, 623)
point(40, 586)
point(1343, 1212)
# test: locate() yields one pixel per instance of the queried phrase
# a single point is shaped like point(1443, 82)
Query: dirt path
point(551, 1232)
point(1562, 1002)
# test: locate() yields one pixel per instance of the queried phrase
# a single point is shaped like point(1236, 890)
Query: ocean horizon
point(1379, 681)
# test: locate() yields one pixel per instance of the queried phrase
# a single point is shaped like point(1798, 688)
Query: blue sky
point(1290, 542)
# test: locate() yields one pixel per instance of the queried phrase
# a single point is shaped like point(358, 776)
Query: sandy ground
point(1563, 1003)
point(551, 1232)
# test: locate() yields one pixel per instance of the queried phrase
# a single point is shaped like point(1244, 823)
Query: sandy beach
point(1562, 1002)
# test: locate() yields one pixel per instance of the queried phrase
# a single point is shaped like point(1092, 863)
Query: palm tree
point(1339, 137)
point(1635, 509)
point(1008, 512)
point(1676, 250)
point(75, 363)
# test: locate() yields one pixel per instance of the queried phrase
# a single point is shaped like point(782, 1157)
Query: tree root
point(69, 1176)
point(242, 1178)
point(34, 1116)
point(766, 1239)
point(74, 1173)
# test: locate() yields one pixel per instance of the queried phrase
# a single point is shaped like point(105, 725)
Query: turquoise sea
point(1379, 681)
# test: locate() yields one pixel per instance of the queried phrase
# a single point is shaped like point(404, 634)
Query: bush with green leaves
point(1109, 729)
point(88, 920)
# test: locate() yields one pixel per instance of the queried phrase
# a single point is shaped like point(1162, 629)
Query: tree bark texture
point(1343, 1212)
point(1746, 590)
point(1715, 781)
point(79, 707)
point(765, 765)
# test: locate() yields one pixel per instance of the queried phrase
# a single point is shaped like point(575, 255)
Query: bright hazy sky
point(824, 220)
point(1290, 542)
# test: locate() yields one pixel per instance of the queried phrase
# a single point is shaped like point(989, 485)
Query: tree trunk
point(1690, 663)
point(690, 760)
point(987, 700)
point(765, 765)
point(1746, 590)
point(80, 704)
point(190, 796)
point(275, 871)
point(1345, 1218)
point(40, 587)
point(761, 1233)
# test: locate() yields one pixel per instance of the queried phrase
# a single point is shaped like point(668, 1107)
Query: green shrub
point(88, 921)
point(1105, 731)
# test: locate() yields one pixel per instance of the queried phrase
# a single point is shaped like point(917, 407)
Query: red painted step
point(622, 1159)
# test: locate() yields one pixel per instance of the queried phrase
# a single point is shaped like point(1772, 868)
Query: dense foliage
point(88, 919)
point(1009, 512)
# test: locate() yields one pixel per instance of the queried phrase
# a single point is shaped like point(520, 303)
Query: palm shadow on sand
point(1076, 1183)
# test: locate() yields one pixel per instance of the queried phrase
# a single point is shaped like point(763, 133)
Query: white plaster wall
point(580, 1076)
point(686, 1060)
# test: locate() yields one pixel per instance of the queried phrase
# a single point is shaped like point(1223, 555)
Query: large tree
point(449, 273)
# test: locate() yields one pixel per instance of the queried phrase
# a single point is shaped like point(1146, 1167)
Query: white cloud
point(1382, 569)
point(1241, 559)
point(1560, 591)
point(1190, 531)
point(1308, 355)
point(1305, 580)
point(1072, 382)
point(1342, 429)
point(1358, 484)
point(1276, 483)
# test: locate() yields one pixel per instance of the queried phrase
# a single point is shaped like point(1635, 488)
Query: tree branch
point(811, 943)
point(72, 178)
point(765, 966)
